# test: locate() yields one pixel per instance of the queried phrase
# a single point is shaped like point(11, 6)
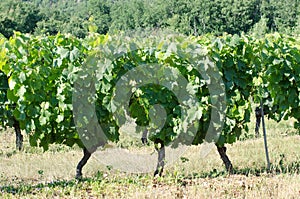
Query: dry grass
point(34, 174)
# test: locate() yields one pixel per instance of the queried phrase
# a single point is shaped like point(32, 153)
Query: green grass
point(31, 173)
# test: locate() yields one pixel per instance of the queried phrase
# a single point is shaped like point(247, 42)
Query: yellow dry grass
point(34, 174)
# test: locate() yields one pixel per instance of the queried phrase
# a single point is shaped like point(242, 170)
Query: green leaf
point(59, 118)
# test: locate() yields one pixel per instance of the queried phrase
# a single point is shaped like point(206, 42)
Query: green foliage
point(281, 57)
point(285, 15)
point(260, 28)
point(41, 71)
point(297, 28)
point(18, 15)
point(195, 17)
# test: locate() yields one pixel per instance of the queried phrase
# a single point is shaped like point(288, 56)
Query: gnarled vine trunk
point(19, 136)
point(225, 158)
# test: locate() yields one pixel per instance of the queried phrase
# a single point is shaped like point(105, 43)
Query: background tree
point(188, 17)
point(19, 16)
point(260, 28)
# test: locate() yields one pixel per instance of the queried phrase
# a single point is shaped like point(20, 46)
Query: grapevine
point(39, 73)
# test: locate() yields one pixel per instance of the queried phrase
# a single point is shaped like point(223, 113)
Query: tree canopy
point(194, 17)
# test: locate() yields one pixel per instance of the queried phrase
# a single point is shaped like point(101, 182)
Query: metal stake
point(265, 135)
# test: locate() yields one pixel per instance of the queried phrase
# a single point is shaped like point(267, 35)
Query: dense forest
point(194, 17)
